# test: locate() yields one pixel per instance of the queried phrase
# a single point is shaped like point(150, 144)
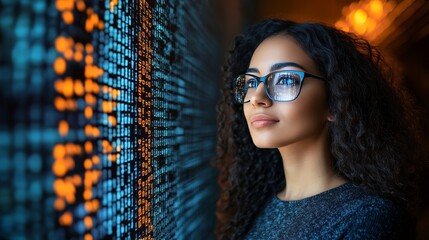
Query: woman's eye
point(287, 80)
point(251, 83)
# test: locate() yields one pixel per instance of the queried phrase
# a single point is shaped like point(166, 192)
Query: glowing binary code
point(107, 119)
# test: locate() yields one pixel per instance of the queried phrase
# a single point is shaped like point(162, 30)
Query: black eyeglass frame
point(302, 75)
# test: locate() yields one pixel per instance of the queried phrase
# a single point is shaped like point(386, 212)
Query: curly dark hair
point(373, 139)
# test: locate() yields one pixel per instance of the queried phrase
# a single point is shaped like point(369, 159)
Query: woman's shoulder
point(362, 206)
point(374, 217)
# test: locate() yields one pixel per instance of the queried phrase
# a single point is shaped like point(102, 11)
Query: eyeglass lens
point(280, 86)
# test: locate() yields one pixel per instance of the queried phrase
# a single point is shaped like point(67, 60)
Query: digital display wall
point(108, 119)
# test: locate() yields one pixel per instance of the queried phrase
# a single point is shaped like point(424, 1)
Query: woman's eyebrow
point(277, 66)
point(252, 70)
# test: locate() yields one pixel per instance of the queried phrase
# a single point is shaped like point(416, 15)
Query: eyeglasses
point(280, 86)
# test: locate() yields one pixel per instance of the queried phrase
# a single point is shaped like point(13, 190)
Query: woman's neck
point(308, 168)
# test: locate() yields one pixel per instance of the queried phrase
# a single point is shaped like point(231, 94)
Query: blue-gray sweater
point(344, 212)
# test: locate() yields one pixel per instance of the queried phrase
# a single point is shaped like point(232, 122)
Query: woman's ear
point(331, 117)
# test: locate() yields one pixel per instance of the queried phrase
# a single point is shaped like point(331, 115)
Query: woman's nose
point(259, 97)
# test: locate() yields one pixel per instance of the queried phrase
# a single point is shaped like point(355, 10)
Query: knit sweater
point(343, 212)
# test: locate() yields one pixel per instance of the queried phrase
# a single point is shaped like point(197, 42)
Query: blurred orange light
point(63, 128)
point(63, 5)
point(88, 236)
point(88, 222)
point(80, 5)
point(61, 44)
point(87, 164)
point(77, 180)
point(87, 194)
point(59, 204)
point(78, 87)
point(88, 114)
point(376, 8)
point(68, 87)
point(60, 65)
point(88, 147)
point(68, 17)
point(59, 151)
point(89, 59)
point(360, 17)
point(112, 120)
point(66, 219)
point(89, 48)
point(78, 56)
point(60, 103)
point(95, 160)
point(59, 168)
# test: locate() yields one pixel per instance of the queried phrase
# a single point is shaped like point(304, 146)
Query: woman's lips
point(262, 120)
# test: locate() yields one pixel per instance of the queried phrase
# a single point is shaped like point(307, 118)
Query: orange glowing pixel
point(69, 163)
point(77, 180)
point(88, 236)
point(67, 89)
point(112, 157)
point(59, 204)
point(63, 5)
point(59, 168)
point(68, 17)
point(87, 194)
point(78, 56)
point(63, 128)
point(90, 99)
point(73, 149)
point(61, 44)
point(60, 66)
point(95, 132)
point(79, 47)
point(59, 151)
point(89, 48)
point(89, 59)
point(78, 88)
point(66, 219)
point(88, 147)
point(88, 113)
point(80, 5)
point(88, 130)
point(64, 189)
point(113, 4)
point(107, 106)
point(95, 160)
point(87, 164)
point(115, 93)
point(71, 104)
point(68, 54)
point(112, 121)
point(60, 103)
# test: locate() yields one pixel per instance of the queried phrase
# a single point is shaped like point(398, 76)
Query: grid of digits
point(108, 120)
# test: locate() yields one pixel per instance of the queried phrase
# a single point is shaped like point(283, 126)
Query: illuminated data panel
point(108, 119)
point(183, 89)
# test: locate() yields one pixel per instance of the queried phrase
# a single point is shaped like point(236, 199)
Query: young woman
point(315, 141)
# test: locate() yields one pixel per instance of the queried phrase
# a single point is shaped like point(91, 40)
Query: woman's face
point(278, 124)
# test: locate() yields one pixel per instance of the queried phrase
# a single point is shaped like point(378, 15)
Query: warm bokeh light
point(63, 128)
point(66, 219)
point(88, 236)
point(60, 66)
point(366, 17)
point(64, 5)
point(80, 5)
point(68, 17)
